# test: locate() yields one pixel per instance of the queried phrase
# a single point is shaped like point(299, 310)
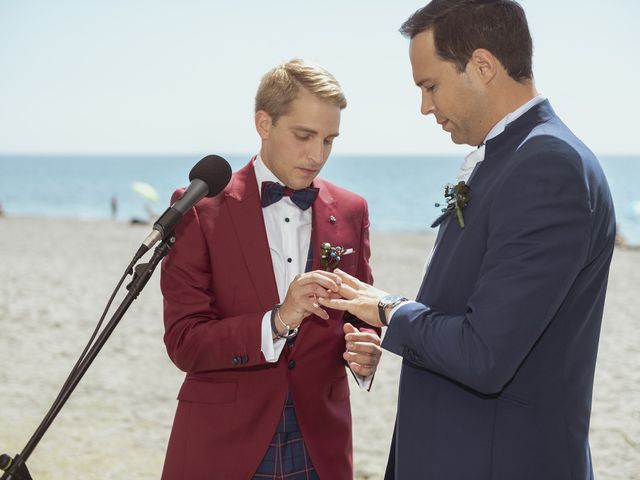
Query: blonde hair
point(280, 85)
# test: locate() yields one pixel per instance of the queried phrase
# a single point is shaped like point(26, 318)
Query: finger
point(314, 290)
point(364, 370)
point(325, 279)
point(336, 278)
point(315, 309)
point(363, 348)
point(349, 328)
point(336, 304)
point(366, 337)
point(362, 367)
point(302, 292)
point(331, 294)
point(323, 274)
point(352, 281)
point(348, 292)
point(360, 358)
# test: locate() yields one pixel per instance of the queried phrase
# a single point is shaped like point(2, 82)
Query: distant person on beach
point(266, 394)
point(499, 348)
point(114, 207)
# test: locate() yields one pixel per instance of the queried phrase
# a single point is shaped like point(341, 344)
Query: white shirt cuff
point(271, 348)
point(395, 309)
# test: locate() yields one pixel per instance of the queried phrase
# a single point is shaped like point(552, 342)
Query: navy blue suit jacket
point(499, 353)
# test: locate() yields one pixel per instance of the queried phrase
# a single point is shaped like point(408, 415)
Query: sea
point(401, 190)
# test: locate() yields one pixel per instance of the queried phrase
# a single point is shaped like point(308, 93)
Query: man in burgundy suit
point(266, 392)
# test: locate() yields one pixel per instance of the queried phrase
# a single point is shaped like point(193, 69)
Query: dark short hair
point(461, 26)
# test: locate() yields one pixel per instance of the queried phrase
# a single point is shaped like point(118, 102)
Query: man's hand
point(363, 350)
point(302, 297)
point(358, 298)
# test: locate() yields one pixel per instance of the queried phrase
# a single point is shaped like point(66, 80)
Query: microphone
point(208, 178)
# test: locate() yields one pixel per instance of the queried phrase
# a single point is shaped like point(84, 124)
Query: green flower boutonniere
point(457, 197)
point(331, 256)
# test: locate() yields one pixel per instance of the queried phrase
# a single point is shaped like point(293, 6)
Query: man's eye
point(302, 137)
point(429, 88)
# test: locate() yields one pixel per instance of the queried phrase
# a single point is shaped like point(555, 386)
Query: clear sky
point(169, 76)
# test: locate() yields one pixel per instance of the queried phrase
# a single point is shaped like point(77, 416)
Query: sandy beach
point(55, 279)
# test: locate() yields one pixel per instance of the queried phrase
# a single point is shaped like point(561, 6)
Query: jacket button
point(245, 358)
point(292, 364)
point(235, 360)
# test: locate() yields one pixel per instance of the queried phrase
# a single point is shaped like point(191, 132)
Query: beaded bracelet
point(291, 332)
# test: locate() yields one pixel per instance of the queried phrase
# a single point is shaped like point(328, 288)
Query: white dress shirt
point(289, 235)
point(473, 159)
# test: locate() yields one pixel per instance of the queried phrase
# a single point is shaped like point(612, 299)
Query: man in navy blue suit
point(499, 348)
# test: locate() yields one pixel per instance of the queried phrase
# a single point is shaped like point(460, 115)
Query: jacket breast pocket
point(208, 391)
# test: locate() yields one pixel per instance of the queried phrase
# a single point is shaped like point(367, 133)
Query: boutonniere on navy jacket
point(331, 256)
point(457, 197)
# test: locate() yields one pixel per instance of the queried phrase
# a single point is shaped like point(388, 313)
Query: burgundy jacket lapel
point(322, 230)
point(243, 201)
point(323, 227)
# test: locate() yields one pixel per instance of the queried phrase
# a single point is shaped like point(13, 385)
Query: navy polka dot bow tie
point(272, 192)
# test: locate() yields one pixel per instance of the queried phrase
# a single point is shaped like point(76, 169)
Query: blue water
point(401, 190)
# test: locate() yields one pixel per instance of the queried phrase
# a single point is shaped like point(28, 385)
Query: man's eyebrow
point(423, 81)
point(304, 129)
point(311, 131)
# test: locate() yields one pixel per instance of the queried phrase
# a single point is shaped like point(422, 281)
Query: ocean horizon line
point(248, 155)
point(63, 185)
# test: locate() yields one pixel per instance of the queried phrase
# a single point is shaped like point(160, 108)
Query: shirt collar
point(263, 174)
point(499, 127)
point(477, 155)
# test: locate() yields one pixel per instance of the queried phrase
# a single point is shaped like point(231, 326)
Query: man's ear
point(484, 64)
point(263, 124)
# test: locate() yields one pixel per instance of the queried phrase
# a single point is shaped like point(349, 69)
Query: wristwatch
point(389, 301)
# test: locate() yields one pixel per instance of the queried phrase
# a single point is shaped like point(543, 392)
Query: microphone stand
point(16, 468)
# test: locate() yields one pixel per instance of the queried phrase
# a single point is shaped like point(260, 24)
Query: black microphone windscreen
point(214, 170)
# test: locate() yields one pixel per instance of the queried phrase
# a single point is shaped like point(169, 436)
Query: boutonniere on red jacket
point(457, 197)
point(331, 256)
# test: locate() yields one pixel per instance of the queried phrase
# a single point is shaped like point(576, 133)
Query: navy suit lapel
point(498, 151)
point(516, 132)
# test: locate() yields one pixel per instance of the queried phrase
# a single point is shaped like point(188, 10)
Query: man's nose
point(426, 106)
point(316, 152)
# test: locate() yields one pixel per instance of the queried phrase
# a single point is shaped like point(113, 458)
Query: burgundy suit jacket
point(217, 283)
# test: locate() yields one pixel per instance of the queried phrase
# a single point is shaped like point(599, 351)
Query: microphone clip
point(142, 273)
